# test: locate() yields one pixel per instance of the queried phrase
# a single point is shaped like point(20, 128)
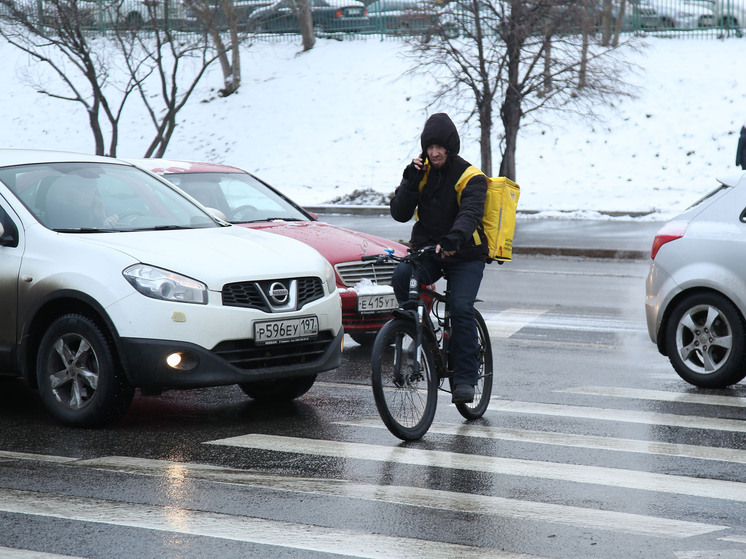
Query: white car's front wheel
point(80, 382)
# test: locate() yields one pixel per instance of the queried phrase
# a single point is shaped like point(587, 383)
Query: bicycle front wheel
point(406, 400)
point(483, 389)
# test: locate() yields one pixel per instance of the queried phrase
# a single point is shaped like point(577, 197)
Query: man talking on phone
point(428, 187)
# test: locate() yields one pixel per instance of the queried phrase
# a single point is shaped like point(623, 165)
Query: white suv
point(111, 279)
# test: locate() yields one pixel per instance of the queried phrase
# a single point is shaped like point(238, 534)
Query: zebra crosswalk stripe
point(352, 543)
point(612, 477)
point(585, 518)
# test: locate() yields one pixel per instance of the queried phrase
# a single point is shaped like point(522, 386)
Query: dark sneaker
point(462, 394)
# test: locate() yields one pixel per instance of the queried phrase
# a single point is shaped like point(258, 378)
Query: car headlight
point(331, 279)
point(167, 286)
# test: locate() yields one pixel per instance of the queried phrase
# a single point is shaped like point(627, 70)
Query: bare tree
point(101, 72)
point(519, 57)
point(217, 19)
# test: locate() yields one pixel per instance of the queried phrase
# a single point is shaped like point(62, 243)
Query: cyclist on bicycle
point(428, 187)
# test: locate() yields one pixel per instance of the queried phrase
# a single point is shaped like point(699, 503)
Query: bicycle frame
point(418, 311)
point(406, 381)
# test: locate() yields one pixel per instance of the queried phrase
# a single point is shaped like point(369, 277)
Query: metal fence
point(351, 19)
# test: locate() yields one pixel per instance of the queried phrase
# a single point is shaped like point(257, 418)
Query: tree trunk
point(606, 23)
point(547, 63)
point(510, 111)
point(98, 136)
point(485, 136)
point(619, 22)
point(305, 21)
point(586, 28)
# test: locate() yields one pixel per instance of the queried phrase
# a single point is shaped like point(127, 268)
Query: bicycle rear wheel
point(406, 400)
point(483, 389)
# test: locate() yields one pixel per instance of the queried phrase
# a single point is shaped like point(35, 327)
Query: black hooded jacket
point(440, 217)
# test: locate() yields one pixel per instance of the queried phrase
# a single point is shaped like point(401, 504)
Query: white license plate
point(376, 302)
point(288, 330)
point(354, 12)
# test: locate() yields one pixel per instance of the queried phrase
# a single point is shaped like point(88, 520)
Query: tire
point(704, 340)
point(406, 402)
point(278, 390)
point(80, 382)
point(134, 20)
point(483, 389)
point(666, 23)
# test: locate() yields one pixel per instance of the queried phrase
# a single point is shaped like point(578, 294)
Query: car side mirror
point(214, 212)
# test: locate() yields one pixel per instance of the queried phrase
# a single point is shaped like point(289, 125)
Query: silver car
point(696, 290)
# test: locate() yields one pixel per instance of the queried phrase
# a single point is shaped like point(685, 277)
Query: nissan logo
point(278, 293)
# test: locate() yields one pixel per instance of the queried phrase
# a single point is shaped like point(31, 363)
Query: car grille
point(256, 294)
point(353, 272)
point(245, 354)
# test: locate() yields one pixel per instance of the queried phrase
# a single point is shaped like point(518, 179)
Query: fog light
point(182, 361)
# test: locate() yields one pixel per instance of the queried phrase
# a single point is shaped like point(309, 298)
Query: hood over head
point(439, 129)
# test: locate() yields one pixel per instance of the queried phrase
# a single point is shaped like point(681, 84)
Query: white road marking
point(629, 416)
point(659, 395)
point(734, 538)
point(353, 543)
point(410, 496)
point(508, 322)
point(609, 477)
point(638, 446)
point(11, 553)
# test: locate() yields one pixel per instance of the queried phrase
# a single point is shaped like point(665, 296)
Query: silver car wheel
point(704, 339)
point(75, 383)
point(80, 381)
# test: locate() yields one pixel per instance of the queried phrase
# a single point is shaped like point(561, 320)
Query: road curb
point(602, 253)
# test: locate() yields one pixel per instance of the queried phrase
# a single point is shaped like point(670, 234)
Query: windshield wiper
point(168, 227)
point(83, 230)
point(271, 219)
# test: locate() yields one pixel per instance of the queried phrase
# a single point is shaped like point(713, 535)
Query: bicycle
point(405, 388)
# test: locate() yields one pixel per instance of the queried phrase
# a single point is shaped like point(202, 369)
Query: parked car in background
point(365, 287)
point(241, 9)
point(679, 14)
point(111, 279)
point(410, 17)
point(329, 16)
point(696, 289)
point(726, 14)
point(136, 14)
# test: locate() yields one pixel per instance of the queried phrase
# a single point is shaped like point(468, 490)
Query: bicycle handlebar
point(417, 254)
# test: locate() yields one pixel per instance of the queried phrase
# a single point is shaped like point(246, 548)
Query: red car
point(365, 288)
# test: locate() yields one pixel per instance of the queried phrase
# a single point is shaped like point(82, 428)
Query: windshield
point(101, 197)
point(241, 197)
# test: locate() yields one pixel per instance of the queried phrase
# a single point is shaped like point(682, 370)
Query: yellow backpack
point(500, 207)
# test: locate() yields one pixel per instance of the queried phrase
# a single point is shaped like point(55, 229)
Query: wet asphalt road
point(593, 447)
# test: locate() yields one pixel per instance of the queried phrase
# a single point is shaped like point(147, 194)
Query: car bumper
point(354, 321)
point(234, 362)
point(350, 25)
point(660, 289)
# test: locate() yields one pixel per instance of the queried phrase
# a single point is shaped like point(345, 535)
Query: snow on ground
point(346, 116)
